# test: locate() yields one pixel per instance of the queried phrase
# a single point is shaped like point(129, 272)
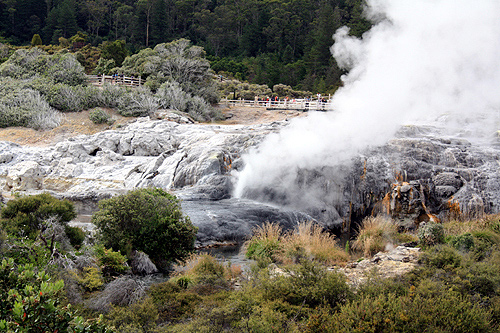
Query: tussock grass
point(265, 243)
point(375, 234)
point(458, 227)
point(309, 240)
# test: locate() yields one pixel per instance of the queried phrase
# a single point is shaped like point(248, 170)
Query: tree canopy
point(268, 42)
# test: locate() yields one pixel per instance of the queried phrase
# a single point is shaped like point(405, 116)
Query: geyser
point(423, 62)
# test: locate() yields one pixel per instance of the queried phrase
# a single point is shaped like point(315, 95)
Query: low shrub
point(90, 278)
point(447, 311)
point(138, 317)
point(138, 102)
point(173, 301)
point(442, 257)
point(26, 108)
point(430, 233)
point(123, 291)
point(463, 242)
point(68, 98)
point(374, 234)
point(203, 273)
point(112, 263)
point(110, 94)
point(305, 284)
point(99, 116)
point(76, 236)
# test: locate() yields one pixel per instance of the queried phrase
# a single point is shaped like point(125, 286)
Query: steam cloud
point(422, 61)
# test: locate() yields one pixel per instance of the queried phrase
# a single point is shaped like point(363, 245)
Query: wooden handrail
point(296, 104)
point(99, 80)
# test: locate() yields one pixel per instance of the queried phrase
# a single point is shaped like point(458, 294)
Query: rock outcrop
point(420, 175)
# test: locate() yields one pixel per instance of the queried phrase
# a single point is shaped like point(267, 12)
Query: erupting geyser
point(423, 62)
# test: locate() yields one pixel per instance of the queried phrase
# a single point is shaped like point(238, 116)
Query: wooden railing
point(295, 104)
point(99, 80)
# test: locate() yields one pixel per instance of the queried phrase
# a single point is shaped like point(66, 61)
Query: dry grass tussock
point(458, 227)
point(375, 235)
point(309, 240)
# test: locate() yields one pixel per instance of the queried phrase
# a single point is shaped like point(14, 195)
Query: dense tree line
point(263, 41)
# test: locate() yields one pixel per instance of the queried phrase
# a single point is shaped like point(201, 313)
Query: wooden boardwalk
point(295, 104)
point(99, 80)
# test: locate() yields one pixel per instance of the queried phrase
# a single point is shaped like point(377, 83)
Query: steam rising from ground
point(423, 61)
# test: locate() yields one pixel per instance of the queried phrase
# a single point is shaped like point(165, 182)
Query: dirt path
point(78, 123)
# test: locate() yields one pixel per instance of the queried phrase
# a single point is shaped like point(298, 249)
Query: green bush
point(430, 233)
point(173, 301)
point(99, 116)
point(305, 284)
point(29, 214)
point(147, 220)
point(138, 317)
point(76, 236)
point(110, 95)
point(442, 257)
point(31, 302)
point(112, 263)
point(463, 242)
point(447, 311)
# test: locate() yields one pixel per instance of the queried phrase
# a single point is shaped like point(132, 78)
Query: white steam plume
point(422, 60)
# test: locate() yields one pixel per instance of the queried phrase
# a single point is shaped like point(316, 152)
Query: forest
point(259, 41)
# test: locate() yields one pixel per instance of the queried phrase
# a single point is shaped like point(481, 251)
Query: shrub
point(123, 291)
point(464, 242)
point(148, 220)
point(141, 264)
point(73, 98)
point(306, 284)
point(60, 67)
point(173, 301)
point(445, 312)
point(99, 116)
point(112, 263)
point(137, 102)
point(375, 234)
point(29, 214)
point(90, 278)
point(76, 236)
point(441, 256)
point(30, 302)
point(110, 95)
point(25, 107)
point(430, 233)
point(138, 317)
